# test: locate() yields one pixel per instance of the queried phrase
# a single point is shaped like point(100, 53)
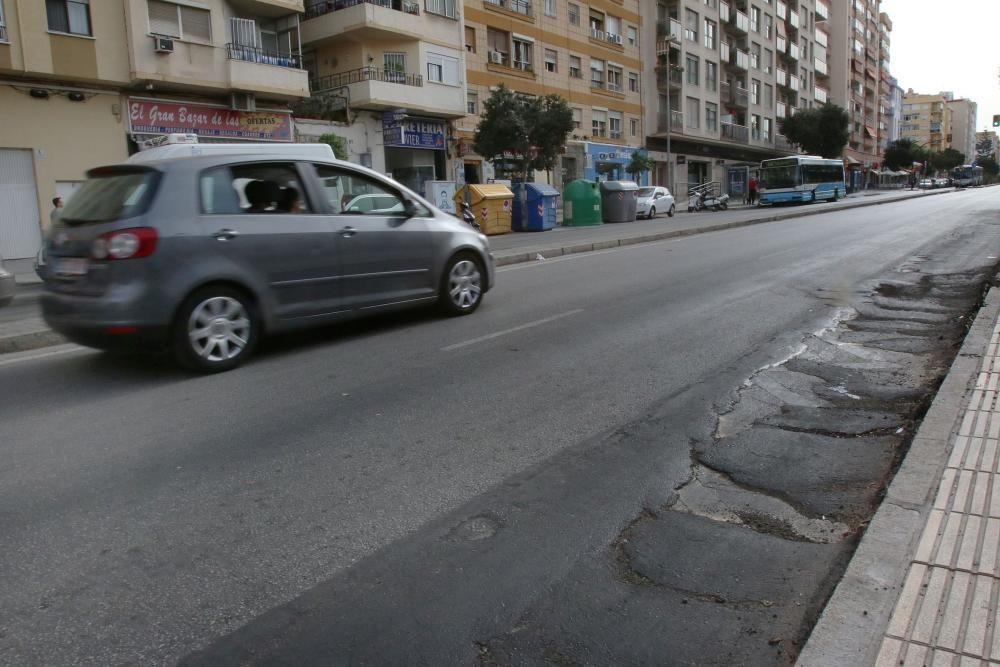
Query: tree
point(337, 143)
point(947, 159)
point(532, 129)
point(639, 164)
point(902, 153)
point(989, 166)
point(819, 131)
point(984, 148)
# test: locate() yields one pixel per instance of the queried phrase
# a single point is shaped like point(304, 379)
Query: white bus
point(966, 176)
point(801, 179)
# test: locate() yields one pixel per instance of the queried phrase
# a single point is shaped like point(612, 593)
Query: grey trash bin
point(618, 201)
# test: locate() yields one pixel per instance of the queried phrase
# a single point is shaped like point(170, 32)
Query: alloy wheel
point(219, 329)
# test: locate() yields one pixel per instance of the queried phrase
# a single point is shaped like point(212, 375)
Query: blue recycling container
point(539, 213)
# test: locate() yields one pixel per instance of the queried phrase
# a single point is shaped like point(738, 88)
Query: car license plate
point(71, 266)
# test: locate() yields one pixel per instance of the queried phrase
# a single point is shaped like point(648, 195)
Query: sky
point(951, 45)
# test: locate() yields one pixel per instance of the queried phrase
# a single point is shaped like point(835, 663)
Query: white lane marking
point(521, 327)
point(33, 355)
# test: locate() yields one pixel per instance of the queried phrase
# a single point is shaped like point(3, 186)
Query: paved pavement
point(923, 585)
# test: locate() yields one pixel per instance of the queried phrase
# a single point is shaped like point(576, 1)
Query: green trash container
point(582, 204)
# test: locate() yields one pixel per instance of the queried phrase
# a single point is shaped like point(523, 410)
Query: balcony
point(794, 83)
point(329, 21)
point(273, 7)
point(724, 12)
point(821, 68)
point(739, 22)
point(737, 133)
point(672, 77)
point(822, 95)
point(252, 54)
point(668, 30)
point(822, 11)
point(669, 122)
point(734, 95)
point(822, 38)
point(781, 10)
point(520, 7)
point(603, 37)
point(381, 89)
point(733, 56)
point(781, 110)
point(782, 43)
point(793, 51)
point(793, 20)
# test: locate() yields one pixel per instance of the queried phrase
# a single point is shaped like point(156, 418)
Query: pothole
point(476, 528)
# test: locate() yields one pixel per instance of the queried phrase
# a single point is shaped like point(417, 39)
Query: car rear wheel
point(461, 289)
point(215, 330)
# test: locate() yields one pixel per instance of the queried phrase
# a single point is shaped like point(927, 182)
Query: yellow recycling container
point(491, 204)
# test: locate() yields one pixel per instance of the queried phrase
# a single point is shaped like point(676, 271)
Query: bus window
point(780, 177)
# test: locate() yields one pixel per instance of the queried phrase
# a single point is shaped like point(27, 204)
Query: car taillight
point(125, 244)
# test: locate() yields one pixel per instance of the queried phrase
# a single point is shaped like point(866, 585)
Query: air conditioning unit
point(163, 44)
point(496, 57)
point(243, 102)
point(617, 39)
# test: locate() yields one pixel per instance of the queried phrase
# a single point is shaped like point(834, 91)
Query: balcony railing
point(320, 7)
point(615, 134)
point(669, 29)
point(724, 11)
point(781, 110)
point(740, 21)
point(733, 132)
point(821, 68)
point(781, 77)
point(822, 38)
point(672, 77)
point(793, 50)
point(781, 9)
point(674, 118)
point(822, 11)
point(254, 54)
point(604, 36)
point(793, 20)
point(821, 95)
point(517, 6)
point(364, 74)
point(3, 33)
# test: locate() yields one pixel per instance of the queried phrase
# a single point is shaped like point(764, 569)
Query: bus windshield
point(785, 176)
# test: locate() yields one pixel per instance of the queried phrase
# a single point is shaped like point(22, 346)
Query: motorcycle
point(700, 201)
point(469, 217)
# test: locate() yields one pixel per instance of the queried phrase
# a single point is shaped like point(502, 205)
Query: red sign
point(161, 117)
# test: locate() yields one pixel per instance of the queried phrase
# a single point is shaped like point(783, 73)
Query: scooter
point(469, 217)
point(700, 201)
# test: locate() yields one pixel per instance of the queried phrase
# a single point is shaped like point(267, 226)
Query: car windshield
point(110, 195)
point(646, 192)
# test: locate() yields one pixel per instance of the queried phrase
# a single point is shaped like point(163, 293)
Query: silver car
point(7, 285)
point(204, 255)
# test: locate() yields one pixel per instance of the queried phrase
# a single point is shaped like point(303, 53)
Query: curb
point(518, 257)
point(30, 341)
point(851, 627)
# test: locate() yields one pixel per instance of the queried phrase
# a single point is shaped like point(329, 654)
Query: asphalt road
point(421, 490)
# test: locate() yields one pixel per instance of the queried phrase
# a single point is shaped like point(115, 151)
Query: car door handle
point(348, 232)
point(226, 234)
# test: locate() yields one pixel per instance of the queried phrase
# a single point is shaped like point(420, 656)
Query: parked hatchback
point(205, 254)
point(653, 200)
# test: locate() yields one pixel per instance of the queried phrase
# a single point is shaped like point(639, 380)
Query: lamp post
point(670, 41)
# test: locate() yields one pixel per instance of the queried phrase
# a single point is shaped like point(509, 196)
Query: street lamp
point(670, 40)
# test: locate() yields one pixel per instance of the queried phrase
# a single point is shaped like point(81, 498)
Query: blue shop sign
point(412, 132)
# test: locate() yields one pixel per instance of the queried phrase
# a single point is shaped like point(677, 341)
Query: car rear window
point(111, 194)
point(645, 192)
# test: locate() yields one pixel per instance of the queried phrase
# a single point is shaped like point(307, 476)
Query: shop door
point(697, 173)
point(20, 231)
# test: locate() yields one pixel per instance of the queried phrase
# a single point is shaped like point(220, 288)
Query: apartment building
point(861, 82)
point(963, 127)
point(893, 112)
point(398, 69)
point(926, 120)
point(588, 52)
point(726, 72)
point(84, 82)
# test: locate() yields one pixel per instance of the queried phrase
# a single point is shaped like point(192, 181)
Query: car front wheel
point(670, 212)
point(461, 289)
point(216, 330)
point(652, 212)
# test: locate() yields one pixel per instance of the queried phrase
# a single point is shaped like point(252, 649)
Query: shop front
point(414, 149)
point(607, 162)
point(150, 119)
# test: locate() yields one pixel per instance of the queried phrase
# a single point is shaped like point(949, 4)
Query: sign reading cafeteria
point(162, 117)
point(398, 130)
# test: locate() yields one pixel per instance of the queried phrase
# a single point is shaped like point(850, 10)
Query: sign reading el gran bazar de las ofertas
point(160, 117)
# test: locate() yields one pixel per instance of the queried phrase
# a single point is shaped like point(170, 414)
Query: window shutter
point(196, 23)
point(450, 71)
point(163, 19)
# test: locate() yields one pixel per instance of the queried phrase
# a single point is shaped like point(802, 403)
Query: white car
point(652, 200)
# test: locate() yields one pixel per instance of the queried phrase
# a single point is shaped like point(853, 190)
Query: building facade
point(725, 73)
point(587, 52)
point(893, 111)
point(89, 80)
point(963, 127)
point(861, 82)
point(926, 120)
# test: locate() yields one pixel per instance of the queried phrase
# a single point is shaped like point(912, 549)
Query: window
point(755, 91)
point(549, 7)
point(765, 133)
point(472, 103)
point(615, 78)
point(272, 188)
point(633, 127)
point(633, 82)
point(755, 55)
point(768, 96)
point(574, 67)
point(523, 55)
point(768, 60)
point(599, 123)
point(442, 8)
point(613, 26)
point(633, 35)
point(710, 32)
point(470, 39)
point(755, 19)
point(711, 4)
point(692, 113)
point(3, 25)
point(596, 21)
point(180, 21)
point(442, 69)
point(574, 13)
point(394, 64)
point(551, 61)
point(69, 16)
point(768, 25)
point(349, 193)
point(577, 117)
point(691, 69)
point(615, 124)
point(755, 127)
point(597, 68)
point(690, 25)
point(711, 116)
point(498, 43)
point(711, 75)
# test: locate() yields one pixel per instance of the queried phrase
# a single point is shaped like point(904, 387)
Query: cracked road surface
point(663, 453)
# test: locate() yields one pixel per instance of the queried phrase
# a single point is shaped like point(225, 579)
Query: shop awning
point(870, 131)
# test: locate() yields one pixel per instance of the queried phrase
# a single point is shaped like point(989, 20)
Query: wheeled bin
point(539, 212)
point(618, 201)
point(581, 204)
point(491, 204)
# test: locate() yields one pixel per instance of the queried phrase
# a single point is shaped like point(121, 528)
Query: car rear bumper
point(104, 323)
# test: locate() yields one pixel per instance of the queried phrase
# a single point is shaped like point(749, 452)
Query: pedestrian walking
point(57, 204)
point(753, 191)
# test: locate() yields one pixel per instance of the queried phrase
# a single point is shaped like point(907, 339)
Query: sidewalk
point(923, 586)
